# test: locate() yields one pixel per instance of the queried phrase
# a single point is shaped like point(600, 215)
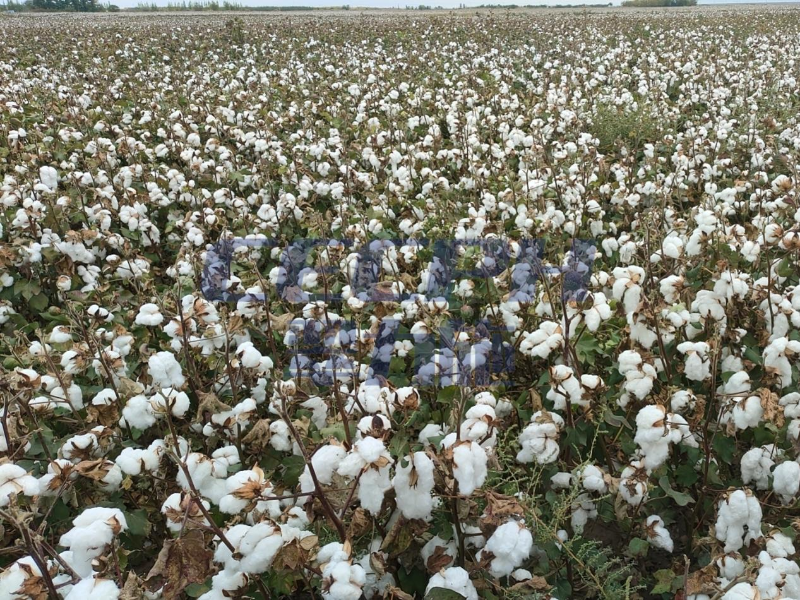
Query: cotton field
point(495, 304)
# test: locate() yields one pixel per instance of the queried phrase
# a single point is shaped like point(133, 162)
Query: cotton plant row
point(400, 306)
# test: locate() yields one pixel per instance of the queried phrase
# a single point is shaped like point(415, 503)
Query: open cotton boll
point(633, 483)
point(778, 577)
point(225, 585)
point(178, 402)
point(454, 579)
point(592, 479)
point(657, 534)
point(413, 485)
point(510, 544)
point(138, 412)
point(14, 578)
point(779, 545)
point(469, 463)
point(656, 430)
point(756, 465)
point(94, 589)
point(149, 315)
point(165, 370)
point(375, 585)
point(207, 475)
point(246, 487)
point(325, 462)
point(180, 506)
point(255, 547)
point(248, 355)
point(15, 481)
point(133, 461)
point(786, 481)
point(697, 366)
point(539, 440)
point(92, 531)
point(370, 459)
point(742, 591)
point(738, 520)
point(478, 425)
point(776, 359)
point(49, 178)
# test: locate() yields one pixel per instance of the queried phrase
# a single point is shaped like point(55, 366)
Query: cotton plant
point(294, 393)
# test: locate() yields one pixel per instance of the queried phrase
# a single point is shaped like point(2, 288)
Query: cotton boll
point(633, 483)
point(165, 370)
point(510, 544)
point(372, 488)
point(738, 520)
point(180, 506)
point(592, 479)
point(656, 430)
point(248, 355)
point(539, 440)
point(561, 481)
point(15, 481)
point(431, 430)
point(742, 591)
point(325, 462)
point(226, 584)
point(786, 481)
point(15, 576)
point(149, 315)
point(469, 460)
point(413, 485)
point(455, 579)
point(341, 580)
point(178, 402)
point(375, 585)
point(756, 465)
point(49, 178)
point(657, 534)
point(780, 545)
point(93, 530)
point(138, 412)
point(94, 589)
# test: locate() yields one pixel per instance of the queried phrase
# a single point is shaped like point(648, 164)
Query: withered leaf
point(181, 562)
point(438, 560)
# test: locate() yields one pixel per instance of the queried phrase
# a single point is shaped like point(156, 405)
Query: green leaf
point(438, 593)
point(725, 448)
point(638, 547)
point(680, 498)
point(293, 467)
point(664, 579)
point(195, 590)
point(138, 522)
point(39, 302)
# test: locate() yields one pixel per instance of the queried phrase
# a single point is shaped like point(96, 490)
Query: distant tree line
point(57, 5)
